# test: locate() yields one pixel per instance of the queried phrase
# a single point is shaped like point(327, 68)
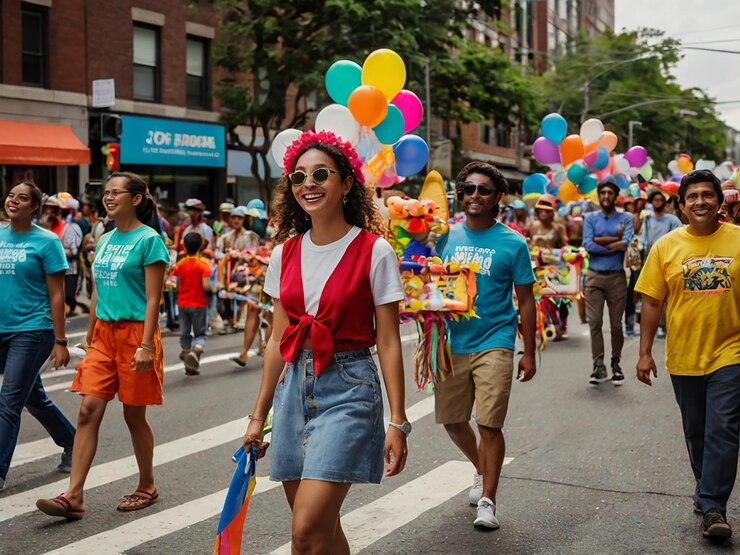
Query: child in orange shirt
point(193, 276)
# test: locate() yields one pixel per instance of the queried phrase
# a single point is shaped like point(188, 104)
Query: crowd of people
point(318, 374)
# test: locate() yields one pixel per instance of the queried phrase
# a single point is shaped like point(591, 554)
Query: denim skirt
point(328, 428)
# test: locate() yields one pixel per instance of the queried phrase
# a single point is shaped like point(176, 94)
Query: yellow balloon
point(685, 165)
point(593, 195)
point(384, 70)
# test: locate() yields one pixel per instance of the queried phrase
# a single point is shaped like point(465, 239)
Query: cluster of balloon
point(375, 113)
point(579, 161)
point(678, 168)
point(573, 159)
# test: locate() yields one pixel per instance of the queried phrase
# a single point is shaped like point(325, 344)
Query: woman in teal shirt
point(32, 268)
point(125, 355)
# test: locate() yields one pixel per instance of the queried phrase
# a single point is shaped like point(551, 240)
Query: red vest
point(345, 319)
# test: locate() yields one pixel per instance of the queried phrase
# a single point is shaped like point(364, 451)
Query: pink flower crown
point(328, 138)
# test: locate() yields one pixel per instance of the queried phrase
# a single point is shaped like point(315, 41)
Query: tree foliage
point(627, 76)
point(285, 48)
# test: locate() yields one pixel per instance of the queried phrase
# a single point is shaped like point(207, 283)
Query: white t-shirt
point(318, 262)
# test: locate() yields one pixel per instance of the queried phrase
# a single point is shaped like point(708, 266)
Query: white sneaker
point(486, 517)
point(476, 492)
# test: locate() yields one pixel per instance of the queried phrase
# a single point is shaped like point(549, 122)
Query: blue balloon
point(554, 128)
point(390, 129)
point(563, 211)
point(411, 153)
point(341, 79)
point(621, 181)
point(588, 184)
point(576, 173)
point(602, 159)
point(534, 183)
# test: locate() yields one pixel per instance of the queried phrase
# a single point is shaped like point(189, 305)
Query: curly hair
point(359, 210)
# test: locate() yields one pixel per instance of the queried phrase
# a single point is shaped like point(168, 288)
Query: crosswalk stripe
point(33, 451)
point(119, 540)
point(24, 502)
point(36, 450)
point(370, 523)
point(171, 520)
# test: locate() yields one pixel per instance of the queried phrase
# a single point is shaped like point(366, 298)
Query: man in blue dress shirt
point(606, 235)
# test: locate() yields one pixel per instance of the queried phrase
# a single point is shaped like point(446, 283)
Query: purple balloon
point(545, 152)
point(636, 156)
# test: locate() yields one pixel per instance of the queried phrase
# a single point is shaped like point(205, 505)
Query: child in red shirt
point(193, 275)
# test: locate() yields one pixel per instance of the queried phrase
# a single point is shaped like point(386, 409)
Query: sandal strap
point(63, 501)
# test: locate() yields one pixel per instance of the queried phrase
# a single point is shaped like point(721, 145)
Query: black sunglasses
point(470, 188)
point(319, 176)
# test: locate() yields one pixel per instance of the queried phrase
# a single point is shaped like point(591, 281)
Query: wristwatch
point(62, 342)
point(405, 427)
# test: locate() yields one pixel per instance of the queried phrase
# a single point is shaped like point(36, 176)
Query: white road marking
point(24, 502)
point(372, 522)
point(119, 540)
point(33, 451)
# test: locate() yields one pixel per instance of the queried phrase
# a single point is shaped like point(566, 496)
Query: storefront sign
point(163, 142)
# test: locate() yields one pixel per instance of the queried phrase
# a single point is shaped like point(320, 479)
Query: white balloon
point(673, 166)
point(705, 165)
point(724, 171)
point(340, 121)
point(591, 131)
point(621, 166)
point(281, 142)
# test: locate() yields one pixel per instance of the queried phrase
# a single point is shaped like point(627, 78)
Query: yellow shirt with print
point(700, 276)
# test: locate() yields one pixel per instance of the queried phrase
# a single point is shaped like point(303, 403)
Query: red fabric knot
point(321, 342)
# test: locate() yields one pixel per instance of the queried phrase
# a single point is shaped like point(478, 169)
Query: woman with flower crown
point(336, 288)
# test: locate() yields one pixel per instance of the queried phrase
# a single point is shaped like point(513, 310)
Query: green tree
point(627, 76)
point(274, 56)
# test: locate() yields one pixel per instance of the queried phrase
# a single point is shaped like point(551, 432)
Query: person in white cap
point(223, 224)
point(195, 209)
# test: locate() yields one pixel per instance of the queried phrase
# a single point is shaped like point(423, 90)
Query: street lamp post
point(613, 65)
point(632, 123)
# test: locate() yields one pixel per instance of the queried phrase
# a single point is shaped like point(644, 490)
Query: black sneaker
point(598, 376)
point(714, 525)
point(65, 466)
point(617, 375)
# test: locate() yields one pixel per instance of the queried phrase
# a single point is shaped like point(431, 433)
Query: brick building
point(89, 73)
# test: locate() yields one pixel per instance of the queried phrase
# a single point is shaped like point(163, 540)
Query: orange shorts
point(107, 370)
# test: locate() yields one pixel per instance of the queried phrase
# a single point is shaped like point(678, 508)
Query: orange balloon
point(590, 147)
point(567, 192)
point(608, 141)
point(571, 149)
point(368, 105)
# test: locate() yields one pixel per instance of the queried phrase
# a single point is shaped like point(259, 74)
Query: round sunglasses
point(319, 176)
point(470, 188)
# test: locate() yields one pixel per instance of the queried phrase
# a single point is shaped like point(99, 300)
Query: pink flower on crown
point(328, 138)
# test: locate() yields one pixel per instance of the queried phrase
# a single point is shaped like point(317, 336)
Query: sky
point(694, 21)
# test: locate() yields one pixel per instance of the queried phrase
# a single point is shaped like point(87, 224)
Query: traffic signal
point(113, 158)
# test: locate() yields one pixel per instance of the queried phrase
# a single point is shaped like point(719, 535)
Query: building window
point(34, 45)
point(146, 63)
point(197, 73)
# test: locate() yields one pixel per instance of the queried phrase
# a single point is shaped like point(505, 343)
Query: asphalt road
point(589, 471)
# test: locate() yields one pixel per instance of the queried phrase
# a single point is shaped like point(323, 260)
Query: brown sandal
point(59, 506)
point(138, 500)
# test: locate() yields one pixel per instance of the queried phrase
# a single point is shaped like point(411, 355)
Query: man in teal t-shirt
point(118, 270)
point(483, 348)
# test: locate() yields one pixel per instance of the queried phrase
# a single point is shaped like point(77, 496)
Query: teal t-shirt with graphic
point(26, 258)
point(118, 270)
point(503, 259)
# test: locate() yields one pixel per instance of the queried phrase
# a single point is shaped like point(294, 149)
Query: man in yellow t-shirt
point(696, 271)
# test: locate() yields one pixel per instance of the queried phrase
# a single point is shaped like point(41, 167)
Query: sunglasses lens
point(297, 178)
point(320, 176)
point(469, 189)
point(484, 191)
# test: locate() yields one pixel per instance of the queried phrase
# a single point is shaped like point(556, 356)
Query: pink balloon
point(636, 156)
point(410, 107)
point(590, 157)
point(545, 152)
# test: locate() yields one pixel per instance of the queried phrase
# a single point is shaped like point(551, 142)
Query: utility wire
point(710, 49)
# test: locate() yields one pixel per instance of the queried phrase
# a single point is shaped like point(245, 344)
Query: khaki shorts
point(484, 378)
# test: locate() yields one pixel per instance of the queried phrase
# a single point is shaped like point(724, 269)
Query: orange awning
point(40, 144)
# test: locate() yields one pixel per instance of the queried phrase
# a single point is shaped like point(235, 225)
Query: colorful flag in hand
point(231, 524)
